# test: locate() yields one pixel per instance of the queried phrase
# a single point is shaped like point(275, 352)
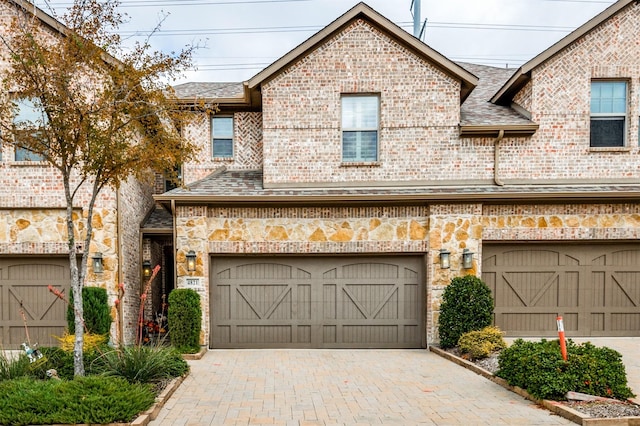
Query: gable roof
point(362, 11)
point(523, 74)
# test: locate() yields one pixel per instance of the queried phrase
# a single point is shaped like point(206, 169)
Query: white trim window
point(29, 119)
point(608, 114)
point(222, 136)
point(360, 121)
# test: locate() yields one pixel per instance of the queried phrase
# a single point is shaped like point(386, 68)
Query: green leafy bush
point(62, 361)
point(480, 344)
point(12, 368)
point(467, 305)
point(185, 320)
point(96, 311)
point(142, 364)
point(84, 400)
point(539, 368)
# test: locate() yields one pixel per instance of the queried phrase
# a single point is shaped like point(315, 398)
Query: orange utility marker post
point(563, 344)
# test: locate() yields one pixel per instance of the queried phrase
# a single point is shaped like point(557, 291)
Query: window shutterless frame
point(26, 121)
point(609, 109)
point(222, 136)
point(360, 127)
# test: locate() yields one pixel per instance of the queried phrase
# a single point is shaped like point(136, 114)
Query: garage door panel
point(341, 302)
point(24, 290)
point(595, 287)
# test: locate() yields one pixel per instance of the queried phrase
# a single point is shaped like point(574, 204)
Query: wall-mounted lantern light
point(191, 261)
point(445, 262)
point(146, 268)
point(98, 268)
point(467, 259)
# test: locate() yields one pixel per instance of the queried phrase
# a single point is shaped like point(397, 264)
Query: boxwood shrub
point(96, 311)
point(185, 320)
point(467, 305)
point(539, 368)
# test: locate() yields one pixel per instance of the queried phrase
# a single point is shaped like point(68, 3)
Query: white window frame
point(616, 115)
point(359, 130)
point(215, 137)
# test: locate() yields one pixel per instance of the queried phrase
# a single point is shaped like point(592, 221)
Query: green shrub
point(84, 400)
point(539, 368)
point(185, 320)
point(62, 361)
point(142, 364)
point(480, 344)
point(12, 368)
point(467, 305)
point(96, 311)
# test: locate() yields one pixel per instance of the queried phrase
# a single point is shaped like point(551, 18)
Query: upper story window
point(222, 137)
point(27, 122)
point(608, 113)
point(360, 118)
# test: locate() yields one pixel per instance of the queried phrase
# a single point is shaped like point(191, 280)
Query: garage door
point(23, 288)
point(595, 288)
point(317, 302)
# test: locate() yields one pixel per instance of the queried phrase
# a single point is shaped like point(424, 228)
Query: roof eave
point(494, 130)
point(524, 195)
point(361, 10)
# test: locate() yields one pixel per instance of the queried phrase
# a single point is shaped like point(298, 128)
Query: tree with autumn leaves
point(97, 113)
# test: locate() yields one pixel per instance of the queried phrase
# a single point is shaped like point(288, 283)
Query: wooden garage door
point(595, 287)
point(24, 281)
point(317, 302)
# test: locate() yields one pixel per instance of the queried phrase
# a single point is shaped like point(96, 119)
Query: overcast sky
point(244, 36)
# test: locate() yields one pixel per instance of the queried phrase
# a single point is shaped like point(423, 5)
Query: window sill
point(362, 164)
point(610, 149)
point(222, 158)
point(28, 163)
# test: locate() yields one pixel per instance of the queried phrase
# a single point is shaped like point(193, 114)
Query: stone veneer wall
point(292, 231)
point(425, 229)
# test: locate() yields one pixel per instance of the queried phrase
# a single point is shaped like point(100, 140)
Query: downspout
point(496, 158)
point(120, 306)
point(175, 244)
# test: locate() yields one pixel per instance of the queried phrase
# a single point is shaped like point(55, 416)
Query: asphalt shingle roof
point(477, 110)
point(228, 185)
point(209, 90)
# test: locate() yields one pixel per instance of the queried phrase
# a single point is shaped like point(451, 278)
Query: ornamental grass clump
point(539, 368)
point(142, 364)
point(467, 305)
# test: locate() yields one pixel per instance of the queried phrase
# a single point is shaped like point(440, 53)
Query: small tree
point(467, 305)
point(96, 119)
point(185, 319)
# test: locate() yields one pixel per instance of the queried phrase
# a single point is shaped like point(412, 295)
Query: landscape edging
point(553, 406)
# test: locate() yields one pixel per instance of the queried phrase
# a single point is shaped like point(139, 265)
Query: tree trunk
point(76, 285)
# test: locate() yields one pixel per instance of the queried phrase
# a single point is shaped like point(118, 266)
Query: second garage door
point(594, 287)
point(23, 291)
point(317, 302)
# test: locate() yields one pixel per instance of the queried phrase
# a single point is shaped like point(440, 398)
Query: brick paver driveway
point(341, 387)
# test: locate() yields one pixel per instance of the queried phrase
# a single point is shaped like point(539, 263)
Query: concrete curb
point(198, 355)
point(144, 418)
point(553, 406)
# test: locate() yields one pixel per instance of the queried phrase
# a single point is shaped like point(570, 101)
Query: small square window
point(222, 137)
point(608, 113)
point(360, 118)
